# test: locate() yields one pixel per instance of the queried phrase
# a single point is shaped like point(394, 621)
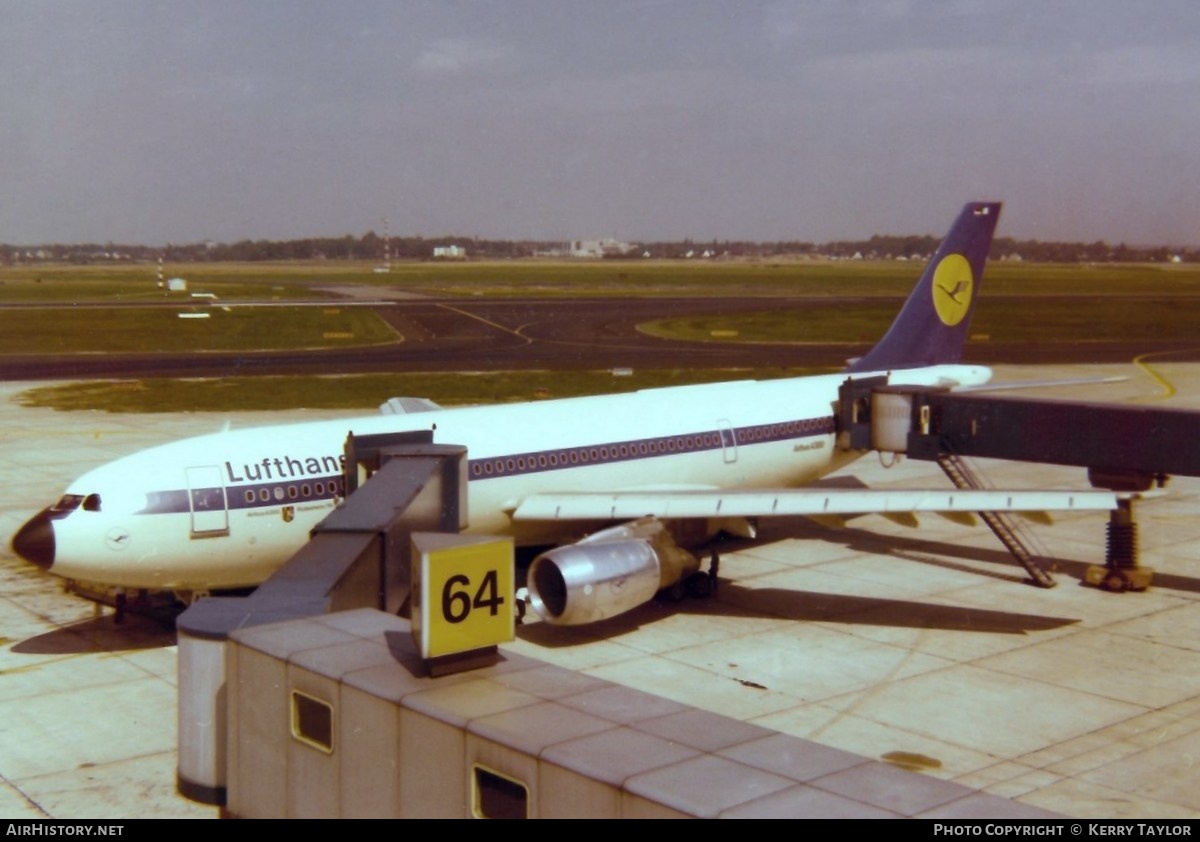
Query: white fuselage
point(226, 510)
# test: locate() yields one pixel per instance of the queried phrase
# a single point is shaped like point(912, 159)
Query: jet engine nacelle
point(607, 573)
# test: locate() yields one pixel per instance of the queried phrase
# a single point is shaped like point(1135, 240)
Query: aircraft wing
point(1040, 384)
point(800, 501)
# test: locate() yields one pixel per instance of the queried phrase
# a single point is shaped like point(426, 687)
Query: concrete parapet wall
point(381, 739)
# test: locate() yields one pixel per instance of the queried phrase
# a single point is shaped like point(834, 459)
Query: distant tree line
point(370, 246)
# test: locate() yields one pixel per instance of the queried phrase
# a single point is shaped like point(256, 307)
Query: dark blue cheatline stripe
point(258, 495)
point(316, 489)
point(538, 461)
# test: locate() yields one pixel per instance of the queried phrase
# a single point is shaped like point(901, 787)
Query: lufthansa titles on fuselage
point(284, 467)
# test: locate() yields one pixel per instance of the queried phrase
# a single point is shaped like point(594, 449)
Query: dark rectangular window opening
point(312, 722)
point(499, 797)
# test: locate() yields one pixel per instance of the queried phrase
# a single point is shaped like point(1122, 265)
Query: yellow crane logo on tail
point(952, 288)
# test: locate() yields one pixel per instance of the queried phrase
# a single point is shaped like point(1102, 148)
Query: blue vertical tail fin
point(932, 326)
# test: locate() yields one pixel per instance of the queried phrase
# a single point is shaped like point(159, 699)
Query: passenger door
point(207, 502)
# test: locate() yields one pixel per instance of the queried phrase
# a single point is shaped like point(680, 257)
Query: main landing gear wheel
point(699, 585)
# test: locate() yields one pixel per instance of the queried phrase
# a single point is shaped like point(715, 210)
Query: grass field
point(1003, 320)
point(137, 283)
point(280, 281)
point(363, 392)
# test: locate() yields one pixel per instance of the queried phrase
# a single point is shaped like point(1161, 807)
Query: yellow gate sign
point(462, 592)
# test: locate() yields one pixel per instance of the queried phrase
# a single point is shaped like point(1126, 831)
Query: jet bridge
point(359, 556)
point(1127, 449)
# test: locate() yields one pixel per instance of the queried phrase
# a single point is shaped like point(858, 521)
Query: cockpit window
point(68, 503)
point(91, 503)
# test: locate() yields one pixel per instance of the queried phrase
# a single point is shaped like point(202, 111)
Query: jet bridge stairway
point(1004, 526)
point(1129, 449)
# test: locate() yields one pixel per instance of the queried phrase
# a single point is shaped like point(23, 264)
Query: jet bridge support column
point(1121, 571)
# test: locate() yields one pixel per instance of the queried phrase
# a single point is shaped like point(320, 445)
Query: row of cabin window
point(291, 492)
point(623, 451)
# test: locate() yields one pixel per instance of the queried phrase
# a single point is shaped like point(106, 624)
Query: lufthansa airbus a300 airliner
point(225, 510)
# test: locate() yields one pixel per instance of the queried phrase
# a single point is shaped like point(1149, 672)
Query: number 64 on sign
point(462, 592)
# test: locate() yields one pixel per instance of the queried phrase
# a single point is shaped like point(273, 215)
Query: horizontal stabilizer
point(406, 406)
point(787, 502)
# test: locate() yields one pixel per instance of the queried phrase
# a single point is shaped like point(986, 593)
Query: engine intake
point(607, 573)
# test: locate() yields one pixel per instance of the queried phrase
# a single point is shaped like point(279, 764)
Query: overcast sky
point(152, 122)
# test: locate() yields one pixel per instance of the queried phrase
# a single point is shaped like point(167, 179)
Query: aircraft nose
point(34, 541)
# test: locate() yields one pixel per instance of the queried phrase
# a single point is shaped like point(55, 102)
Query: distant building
point(449, 252)
point(598, 248)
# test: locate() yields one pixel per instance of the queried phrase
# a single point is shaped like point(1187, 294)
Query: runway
point(918, 647)
point(503, 334)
